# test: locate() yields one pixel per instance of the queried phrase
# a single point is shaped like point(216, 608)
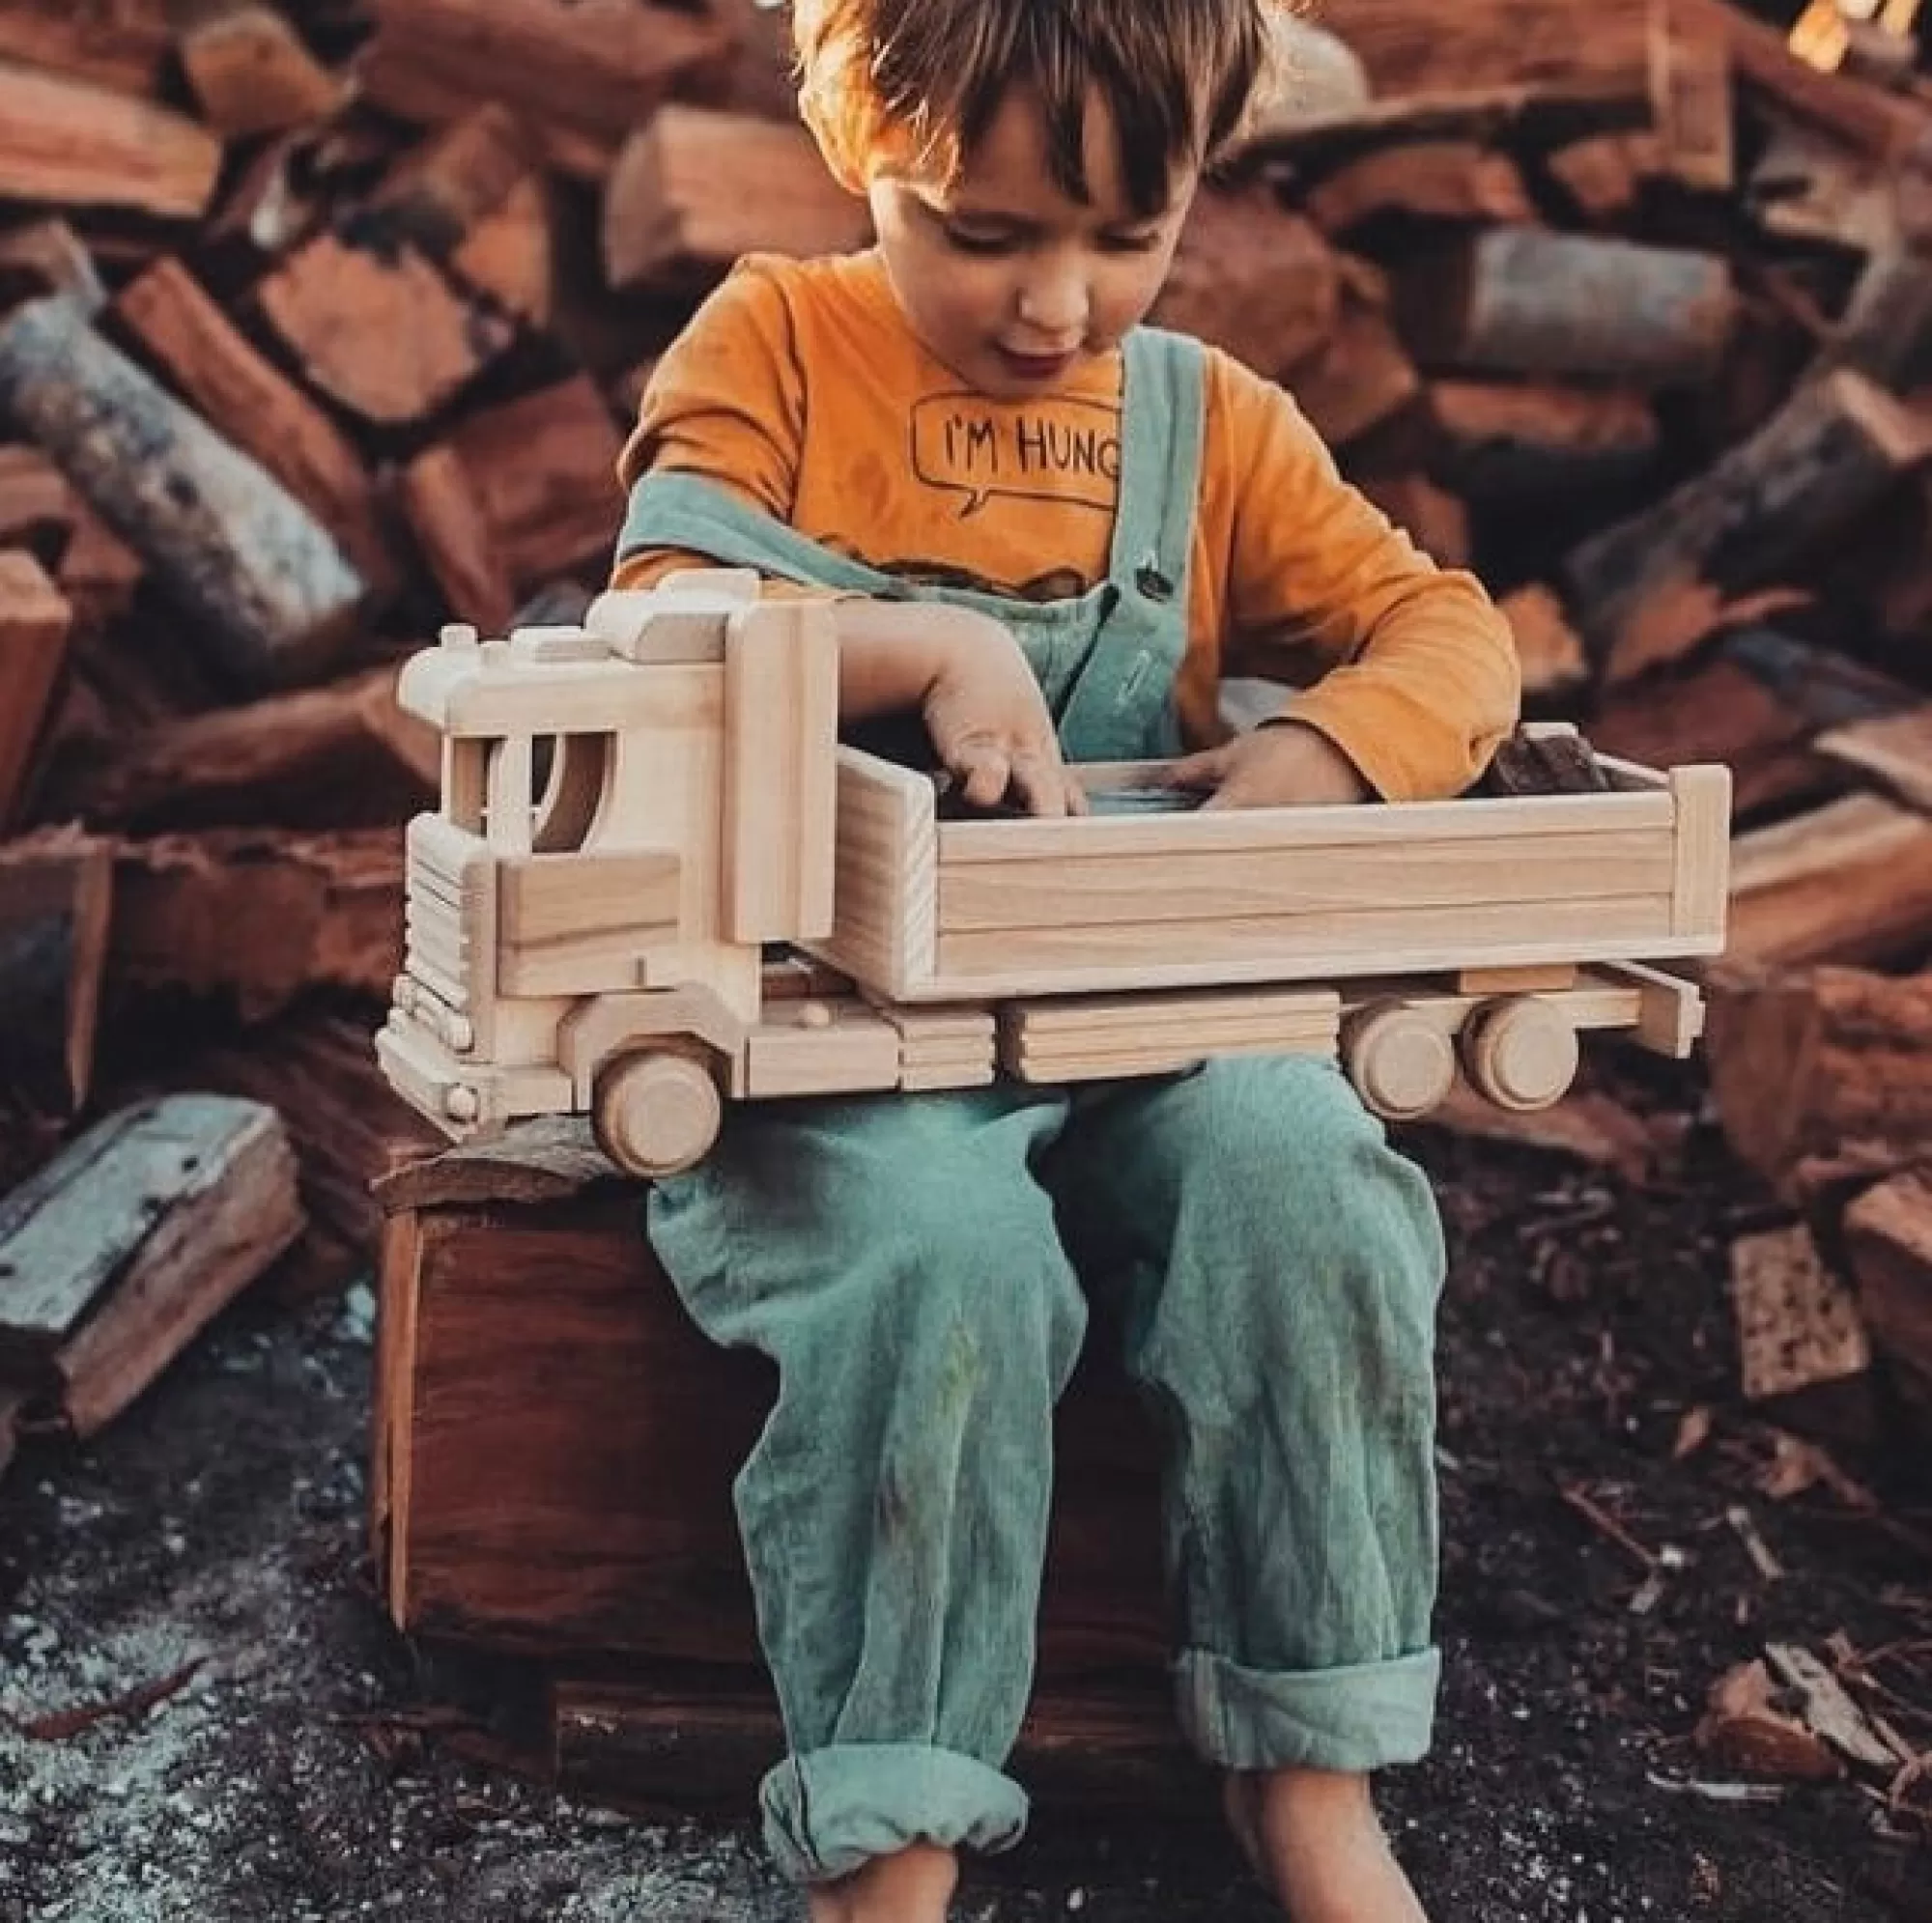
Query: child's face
point(1005, 279)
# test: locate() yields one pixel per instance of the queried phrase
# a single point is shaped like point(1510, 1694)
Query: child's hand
point(990, 726)
point(1280, 764)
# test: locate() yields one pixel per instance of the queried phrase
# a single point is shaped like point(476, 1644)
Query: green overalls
point(919, 1267)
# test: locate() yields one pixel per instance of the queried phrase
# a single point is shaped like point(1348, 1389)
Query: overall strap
point(1163, 421)
point(1122, 705)
point(686, 511)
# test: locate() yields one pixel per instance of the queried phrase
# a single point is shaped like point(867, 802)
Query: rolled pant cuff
point(833, 1810)
point(1352, 1719)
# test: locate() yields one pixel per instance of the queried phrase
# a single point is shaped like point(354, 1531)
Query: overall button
point(1152, 583)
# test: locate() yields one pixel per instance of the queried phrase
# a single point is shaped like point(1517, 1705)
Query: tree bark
point(277, 596)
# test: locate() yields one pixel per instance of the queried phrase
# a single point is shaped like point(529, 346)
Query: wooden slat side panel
point(885, 925)
point(1206, 888)
point(1411, 825)
point(1304, 948)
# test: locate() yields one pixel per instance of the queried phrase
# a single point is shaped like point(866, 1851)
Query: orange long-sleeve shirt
point(800, 386)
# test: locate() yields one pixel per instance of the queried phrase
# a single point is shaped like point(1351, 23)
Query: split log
point(581, 74)
point(35, 623)
point(1526, 119)
point(1863, 118)
point(55, 890)
point(695, 189)
point(1850, 882)
point(1253, 279)
point(474, 201)
point(257, 917)
point(67, 143)
point(257, 410)
point(1604, 178)
point(1361, 377)
point(1521, 300)
point(346, 1125)
point(1692, 90)
point(1566, 47)
point(448, 520)
point(1424, 179)
point(1827, 1065)
point(48, 257)
point(1838, 446)
point(542, 470)
point(333, 757)
point(384, 333)
point(1763, 703)
point(1797, 1325)
point(1886, 329)
point(1888, 1243)
point(252, 72)
point(38, 509)
point(125, 47)
point(276, 595)
point(1437, 520)
point(115, 1255)
point(1548, 650)
point(99, 573)
point(1896, 750)
point(1530, 442)
point(1816, 190)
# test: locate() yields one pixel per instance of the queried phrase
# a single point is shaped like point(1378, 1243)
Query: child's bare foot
point(912, 1886)
point(1313, 1839)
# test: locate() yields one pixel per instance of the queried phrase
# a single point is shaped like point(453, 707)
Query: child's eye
point(1131, 243)
point(970, 242)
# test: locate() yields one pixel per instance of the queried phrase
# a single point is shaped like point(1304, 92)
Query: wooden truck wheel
point(656, 1112)
point(1400, 1062)
point(1522, 1054)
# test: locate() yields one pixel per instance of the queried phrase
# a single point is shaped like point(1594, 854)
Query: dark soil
point(208, 1548)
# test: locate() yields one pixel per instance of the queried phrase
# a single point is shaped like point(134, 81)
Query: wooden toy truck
point(657, 881)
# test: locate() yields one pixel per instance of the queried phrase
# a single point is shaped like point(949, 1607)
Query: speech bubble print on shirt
point(1057, 450)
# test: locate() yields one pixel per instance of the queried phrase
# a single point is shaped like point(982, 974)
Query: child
point(1048, 530)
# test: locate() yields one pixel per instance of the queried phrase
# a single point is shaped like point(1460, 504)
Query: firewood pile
point(321, 324)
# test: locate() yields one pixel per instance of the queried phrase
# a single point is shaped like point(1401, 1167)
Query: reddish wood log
point(1426, 180)
point(55, 889)
point(1850, 882)
point(1825, 1064)
point(252, 72)
point(1529, 442)
point(260, 412)
point(694, 189)
point(1252, 278)
point(35, 623)
point(1888, 1243)
point(67, 143)
point(257, 917)
point(339, 756)
point(582, 75)
point(384, 333)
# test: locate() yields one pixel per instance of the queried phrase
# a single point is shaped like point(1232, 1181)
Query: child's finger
point(985, 773)
point(1206, 769)
point(1041, 784)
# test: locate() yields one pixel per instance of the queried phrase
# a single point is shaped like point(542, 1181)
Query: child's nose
point(1055, 306)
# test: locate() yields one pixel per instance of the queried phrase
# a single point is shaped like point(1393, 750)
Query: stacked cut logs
point(320, 322)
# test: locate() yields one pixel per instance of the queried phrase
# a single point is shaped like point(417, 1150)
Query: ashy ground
point(204, 1717)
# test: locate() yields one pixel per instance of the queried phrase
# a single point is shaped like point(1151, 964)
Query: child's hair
point(921, 81)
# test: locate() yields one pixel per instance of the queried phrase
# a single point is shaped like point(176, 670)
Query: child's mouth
point(1035, 366)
